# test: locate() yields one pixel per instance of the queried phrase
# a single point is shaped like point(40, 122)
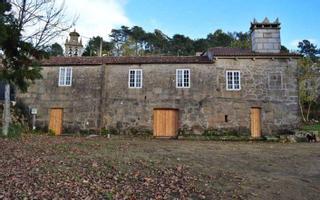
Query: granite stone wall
point(207, 103)
point(99, 96)
point(80, 102)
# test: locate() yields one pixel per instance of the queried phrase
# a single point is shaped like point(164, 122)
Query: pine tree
point(22, 53)
point(19, 65)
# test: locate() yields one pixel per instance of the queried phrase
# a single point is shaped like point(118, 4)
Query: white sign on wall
point(34, 111)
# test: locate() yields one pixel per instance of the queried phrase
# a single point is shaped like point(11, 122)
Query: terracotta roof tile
point(228, 51)
point(54, 61)
point(205, 58)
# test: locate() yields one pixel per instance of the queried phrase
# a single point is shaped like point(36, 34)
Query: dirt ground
point(38, 167)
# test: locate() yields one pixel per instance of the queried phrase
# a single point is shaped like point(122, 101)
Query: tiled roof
point(54, 61)
point(205, 58)
point(228, 51)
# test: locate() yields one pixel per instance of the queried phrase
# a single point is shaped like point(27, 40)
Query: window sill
point(233, 90)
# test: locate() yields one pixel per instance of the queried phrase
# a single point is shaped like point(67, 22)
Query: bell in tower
point(73, 46)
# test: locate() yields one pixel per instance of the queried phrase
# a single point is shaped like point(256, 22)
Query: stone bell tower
point(73, 47)
point(265, 36)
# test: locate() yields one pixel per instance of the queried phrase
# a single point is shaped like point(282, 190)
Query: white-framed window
point(233, 80)
point(183, 78)
point(65, 76)
point(135, 78)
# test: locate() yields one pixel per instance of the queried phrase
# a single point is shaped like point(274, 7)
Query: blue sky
point(196, 18)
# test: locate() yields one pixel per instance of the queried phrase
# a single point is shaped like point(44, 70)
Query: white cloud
point(96, 17)
point(294, 43)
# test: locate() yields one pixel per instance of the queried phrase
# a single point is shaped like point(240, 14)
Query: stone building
point(73, 46)
point(245, 90)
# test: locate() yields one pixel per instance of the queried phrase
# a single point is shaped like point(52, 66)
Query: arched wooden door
point(165, 122)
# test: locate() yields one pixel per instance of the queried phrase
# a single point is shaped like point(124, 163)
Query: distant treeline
point(135, 41)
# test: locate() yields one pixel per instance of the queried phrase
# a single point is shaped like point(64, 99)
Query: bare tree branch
point(41, 20)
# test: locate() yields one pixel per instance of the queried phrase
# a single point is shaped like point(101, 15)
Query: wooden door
point(56, 117)
point(165, 123)
point(256, 122)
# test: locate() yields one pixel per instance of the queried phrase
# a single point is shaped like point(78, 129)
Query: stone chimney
point(265, 36)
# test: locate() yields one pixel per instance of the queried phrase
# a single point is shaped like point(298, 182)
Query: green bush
point(313, 127)
point(14, 131)
point(213, 132)
point(104, 132)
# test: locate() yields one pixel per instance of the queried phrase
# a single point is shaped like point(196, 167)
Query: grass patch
point(311, 127)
